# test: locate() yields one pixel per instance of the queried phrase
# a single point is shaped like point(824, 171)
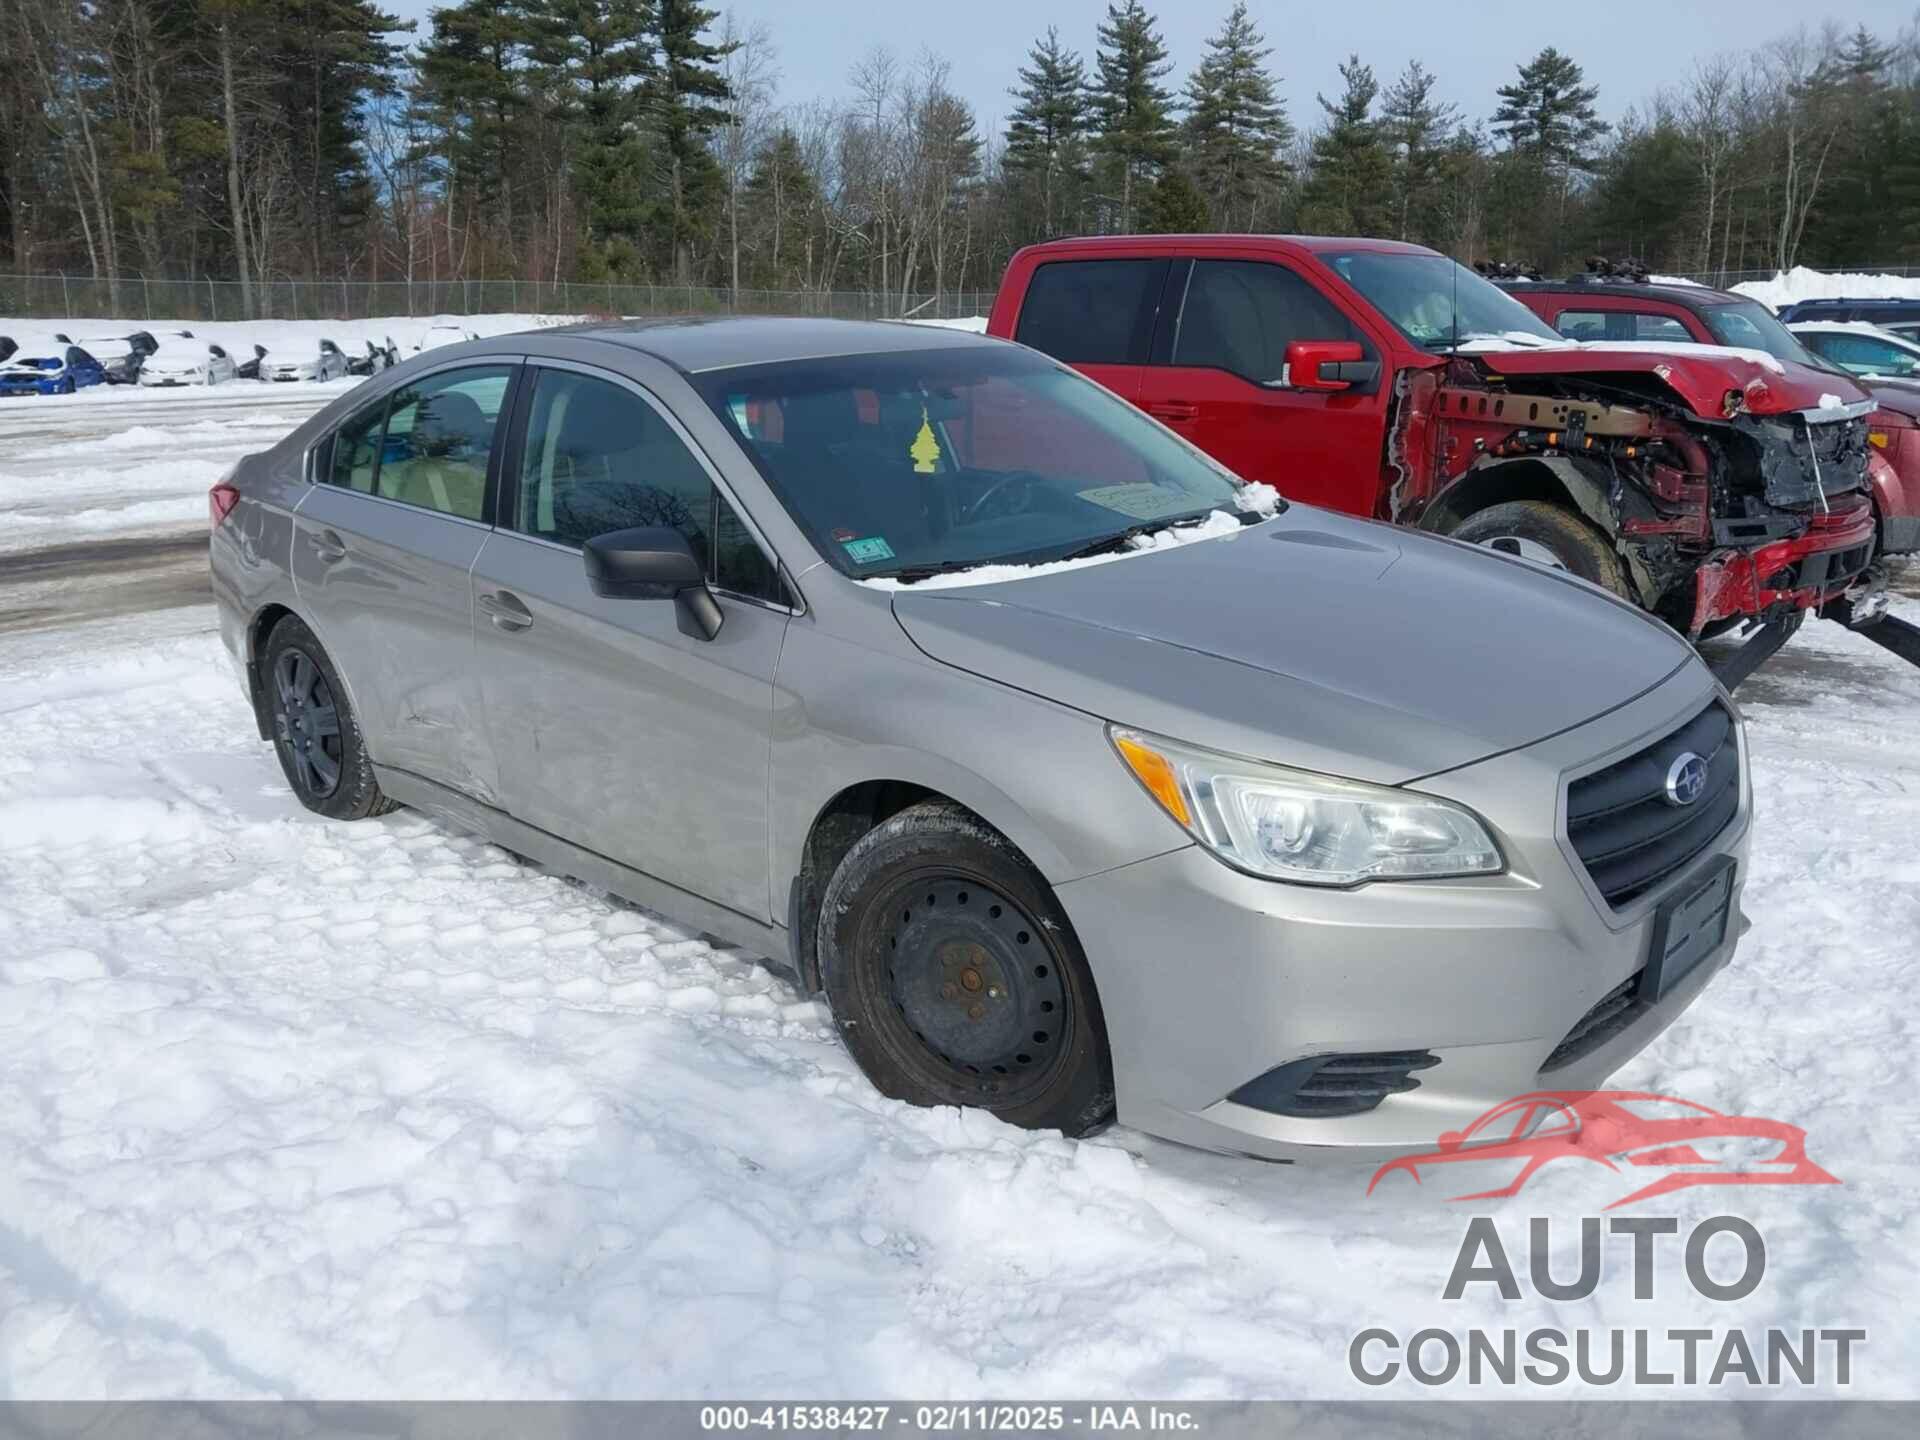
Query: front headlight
point(1312, 829)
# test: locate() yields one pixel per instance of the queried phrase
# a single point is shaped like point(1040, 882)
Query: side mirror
point(654, 562)
point(1450, 1141)
point(1327, 365)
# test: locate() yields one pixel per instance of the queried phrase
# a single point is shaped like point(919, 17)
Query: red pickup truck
point(1384, 380)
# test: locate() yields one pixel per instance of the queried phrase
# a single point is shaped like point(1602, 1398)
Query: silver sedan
point(1077, 775)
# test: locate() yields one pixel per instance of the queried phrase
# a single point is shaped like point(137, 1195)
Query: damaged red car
point(1381, 379)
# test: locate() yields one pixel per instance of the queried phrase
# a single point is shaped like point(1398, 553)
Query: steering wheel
point(969, 514)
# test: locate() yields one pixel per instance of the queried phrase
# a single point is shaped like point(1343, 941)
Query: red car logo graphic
point(1628, 1132)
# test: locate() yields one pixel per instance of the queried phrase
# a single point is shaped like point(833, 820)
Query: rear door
point(613, 728)
point(382, 547)
point(1221, 384)
point(1097, 315)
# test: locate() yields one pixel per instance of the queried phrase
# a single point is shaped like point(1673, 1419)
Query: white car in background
point(442, 332)
point(1861, 348)
point(327, 362)
point(181, 361)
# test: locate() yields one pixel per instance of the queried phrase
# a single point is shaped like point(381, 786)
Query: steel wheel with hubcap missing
point(955, 977)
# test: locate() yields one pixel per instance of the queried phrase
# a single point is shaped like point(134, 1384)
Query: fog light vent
point(1322, 1087)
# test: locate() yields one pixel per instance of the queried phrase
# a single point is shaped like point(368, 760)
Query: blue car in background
point(60, 374)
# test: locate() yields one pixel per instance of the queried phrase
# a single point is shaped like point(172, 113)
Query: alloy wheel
point(307, 722)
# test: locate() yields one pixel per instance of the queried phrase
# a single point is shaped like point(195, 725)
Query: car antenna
point(1453, 346)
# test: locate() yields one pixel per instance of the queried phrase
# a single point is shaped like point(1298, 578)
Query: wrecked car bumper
point(1799, 573)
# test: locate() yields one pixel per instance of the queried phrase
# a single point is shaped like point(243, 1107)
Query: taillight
point(220, 502)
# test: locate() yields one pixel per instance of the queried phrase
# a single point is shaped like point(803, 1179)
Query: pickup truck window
point(923, 460)
point(1434, 302)
point(1092, 312)
point(1240, 316)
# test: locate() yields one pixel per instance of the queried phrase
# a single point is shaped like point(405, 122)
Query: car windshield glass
point(1750, 325)
point(1437, 303)
point(921, 460)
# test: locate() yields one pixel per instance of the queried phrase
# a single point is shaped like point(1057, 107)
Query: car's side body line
point(582, 864)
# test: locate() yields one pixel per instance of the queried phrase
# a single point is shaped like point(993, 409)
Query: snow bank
point(374, 1111)
point(1800, 283)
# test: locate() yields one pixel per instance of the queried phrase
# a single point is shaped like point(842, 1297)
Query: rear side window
point(1092, 312)
point(1620, 325)
point(1240, 315)
point(439, 437)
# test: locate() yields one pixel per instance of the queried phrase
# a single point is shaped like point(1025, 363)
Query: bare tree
point(751, 77)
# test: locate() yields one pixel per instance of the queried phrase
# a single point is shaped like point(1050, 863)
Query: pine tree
point(598, 54)
point(1136, 133)
point(1175, 206)
point(1236, 127)
point(1854, 219)
point(1549, 113)
point(1415, 127)
point(681, 113)
point(1347, 189)
point(1046, 150)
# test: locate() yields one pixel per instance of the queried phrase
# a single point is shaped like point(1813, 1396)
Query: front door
point(613, 729)
point(381, 550)
point(1223, 386)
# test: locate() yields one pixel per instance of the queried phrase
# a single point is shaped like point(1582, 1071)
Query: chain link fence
point(61, 297)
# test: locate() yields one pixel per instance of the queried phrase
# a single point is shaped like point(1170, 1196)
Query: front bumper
point(1801, 573)
point(1209, 978)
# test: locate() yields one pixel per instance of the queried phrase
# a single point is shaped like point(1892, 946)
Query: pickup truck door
point(1217, 377)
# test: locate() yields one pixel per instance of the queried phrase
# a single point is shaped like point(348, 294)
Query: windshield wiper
point(907, 574)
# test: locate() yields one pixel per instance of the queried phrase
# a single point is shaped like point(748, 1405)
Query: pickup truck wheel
point(1548, 535)
point(955, 978)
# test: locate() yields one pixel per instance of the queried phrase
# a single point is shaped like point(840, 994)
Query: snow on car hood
point(1316, 640)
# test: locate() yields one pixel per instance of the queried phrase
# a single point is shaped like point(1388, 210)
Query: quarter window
point(1240, 315)
point(356, 451)
point(1092, 312)
point(598, 458)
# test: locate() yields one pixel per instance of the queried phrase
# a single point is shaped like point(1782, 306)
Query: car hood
point(1899, 399)
point(1701, 375)
point(1314, 640)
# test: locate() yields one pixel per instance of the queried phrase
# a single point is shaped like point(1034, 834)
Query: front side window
point(598, 458)
point(439, 436)
point(1092, 312)
point(897, 464)
point(1240, 315)
point(1864, 355)
point(1435, 302)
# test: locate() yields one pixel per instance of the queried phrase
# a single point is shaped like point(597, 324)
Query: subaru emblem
point(1686, 779)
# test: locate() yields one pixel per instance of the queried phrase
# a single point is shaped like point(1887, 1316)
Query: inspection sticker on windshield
point(1143, 501)
point(868, 551)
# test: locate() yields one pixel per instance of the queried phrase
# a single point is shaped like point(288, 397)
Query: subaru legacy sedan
point(1076, 775)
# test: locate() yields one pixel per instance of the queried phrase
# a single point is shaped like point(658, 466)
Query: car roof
point(1691, 296)
point(694, 344)
point(1307, 244)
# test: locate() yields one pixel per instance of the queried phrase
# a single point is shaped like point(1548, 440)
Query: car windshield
point(1436, 302)
point(1751, 326)
point(908, 463)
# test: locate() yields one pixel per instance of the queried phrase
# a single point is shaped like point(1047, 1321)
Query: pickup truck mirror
point(653, 562)
point(1326, 365)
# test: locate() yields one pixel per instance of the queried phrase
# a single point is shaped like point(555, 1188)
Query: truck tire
point(955, 978)
point(1550, 535)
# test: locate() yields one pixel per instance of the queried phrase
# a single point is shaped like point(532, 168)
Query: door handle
point(505, 610)
point(328, 547)
point(1174, 410)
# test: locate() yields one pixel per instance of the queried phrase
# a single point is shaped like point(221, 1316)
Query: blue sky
point(1629, 47)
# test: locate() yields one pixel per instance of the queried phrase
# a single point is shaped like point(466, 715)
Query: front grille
point(1324, 1086)
point(1628, 834)
point(1617, 1009)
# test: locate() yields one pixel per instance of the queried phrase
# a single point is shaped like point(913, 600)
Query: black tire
point(1575, 545)
point(315, 734)
point(955, 978)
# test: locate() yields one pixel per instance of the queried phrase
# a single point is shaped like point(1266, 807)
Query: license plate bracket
point(1687, 929)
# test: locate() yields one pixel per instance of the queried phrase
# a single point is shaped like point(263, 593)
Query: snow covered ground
point(1800, 283)
point(290, 1108)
